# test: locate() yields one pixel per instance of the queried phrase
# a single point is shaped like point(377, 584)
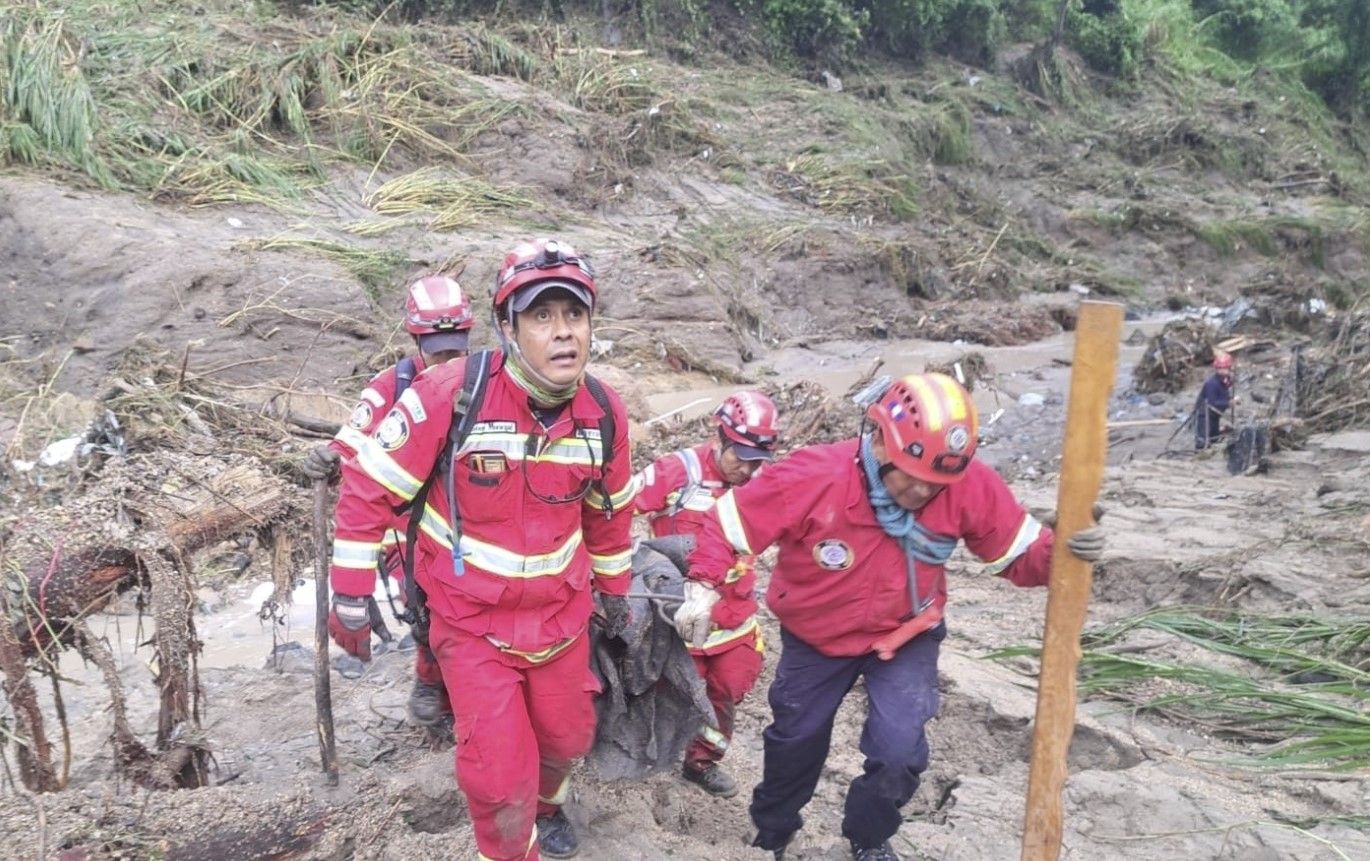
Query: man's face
point(910, 493)
point(553, 335)
point(1225, 374)
point(736, 470)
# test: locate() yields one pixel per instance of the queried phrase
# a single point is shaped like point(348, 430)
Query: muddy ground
point(719, 265)
point(1182, 531)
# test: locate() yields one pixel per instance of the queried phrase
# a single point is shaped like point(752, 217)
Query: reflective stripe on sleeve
point(1028, 532)
point(612, 565)
point(721, 636)
point(731, 521)
point(355, 554)
point(351, 437)
point(376, 463)
point(617, 501)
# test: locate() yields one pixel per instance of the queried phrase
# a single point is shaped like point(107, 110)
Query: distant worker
point(677, 491)
point(864, 528)
point(438, 315)
point(517, 465)
point(1215, 398)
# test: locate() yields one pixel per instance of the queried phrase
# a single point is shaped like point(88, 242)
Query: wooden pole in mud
point(323, 691)
point(1083, 453)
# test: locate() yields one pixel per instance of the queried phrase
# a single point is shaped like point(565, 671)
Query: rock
point(832, 82)
point(1030, 399)
point(1156, 399)
point(294, 657)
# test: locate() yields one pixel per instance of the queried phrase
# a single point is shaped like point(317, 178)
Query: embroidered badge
point(393, 431)
point(833, 554)
point(361, 416)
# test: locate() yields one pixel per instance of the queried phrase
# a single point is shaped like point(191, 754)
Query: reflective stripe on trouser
point(804, 698)
point(728, 678)
point(519, 727)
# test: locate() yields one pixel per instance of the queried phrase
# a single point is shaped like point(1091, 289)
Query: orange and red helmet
point(1222, 361)
point(930, 427)
point(749, 424)
point(539, 265)
point(438, 312)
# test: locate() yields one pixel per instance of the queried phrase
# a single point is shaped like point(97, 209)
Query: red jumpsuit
point(678, 490)
point(373, 404)
point(840, 584)
point(543, 521)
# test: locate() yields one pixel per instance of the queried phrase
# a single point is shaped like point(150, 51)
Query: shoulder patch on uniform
point(361, 416)
point(833, 554)
point(375, 397)
point(411, 402)
point(393, 431)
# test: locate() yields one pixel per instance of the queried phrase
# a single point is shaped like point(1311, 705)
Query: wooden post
point(1082, 469)
point(323, 691)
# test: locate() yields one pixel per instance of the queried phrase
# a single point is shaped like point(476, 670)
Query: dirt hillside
point(219, 263)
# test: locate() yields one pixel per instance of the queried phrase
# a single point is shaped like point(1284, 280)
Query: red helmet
point(437, 303)
point(1222, 361)
point(929, 425)
point(749, 422)
point(544, 263)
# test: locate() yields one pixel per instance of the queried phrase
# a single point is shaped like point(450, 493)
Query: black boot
point(427, 704)
point(556, 836)
point(883, 852)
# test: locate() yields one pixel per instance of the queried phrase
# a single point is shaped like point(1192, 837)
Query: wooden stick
point(1082, 469)
point(323, 692)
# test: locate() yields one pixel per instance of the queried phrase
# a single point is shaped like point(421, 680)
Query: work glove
point(349, 624)
point(617, 614)
point(693, 619)
point(1088, 543)
point(322, 463)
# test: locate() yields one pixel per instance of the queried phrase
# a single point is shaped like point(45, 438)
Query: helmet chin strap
point(541, 390)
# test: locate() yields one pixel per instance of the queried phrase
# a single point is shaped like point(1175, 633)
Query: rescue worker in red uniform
point(864, 527)
point(524, 521)
point(677, 491)
point(438, 315)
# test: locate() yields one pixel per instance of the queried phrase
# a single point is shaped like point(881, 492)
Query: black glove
point(323, 463)
point(617, 614)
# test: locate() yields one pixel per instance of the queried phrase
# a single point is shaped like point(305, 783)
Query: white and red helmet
point(537, 266)
point(749, 424)
point(438, 312)
point(930, 427)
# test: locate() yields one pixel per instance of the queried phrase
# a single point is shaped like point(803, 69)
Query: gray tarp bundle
point(654, 701)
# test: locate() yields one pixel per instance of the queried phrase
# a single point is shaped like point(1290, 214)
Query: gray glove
point(1047, 516)
point(617, 614)
point(322, 463)
point(1088, 544)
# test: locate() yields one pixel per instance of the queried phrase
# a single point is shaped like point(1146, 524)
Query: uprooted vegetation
point(377, 144)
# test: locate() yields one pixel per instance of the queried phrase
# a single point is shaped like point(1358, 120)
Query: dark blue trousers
point(805, 695)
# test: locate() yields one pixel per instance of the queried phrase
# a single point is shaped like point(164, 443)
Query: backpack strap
point(694, 480)
point(608, 431)
point(406, 370)
point(465, 408)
